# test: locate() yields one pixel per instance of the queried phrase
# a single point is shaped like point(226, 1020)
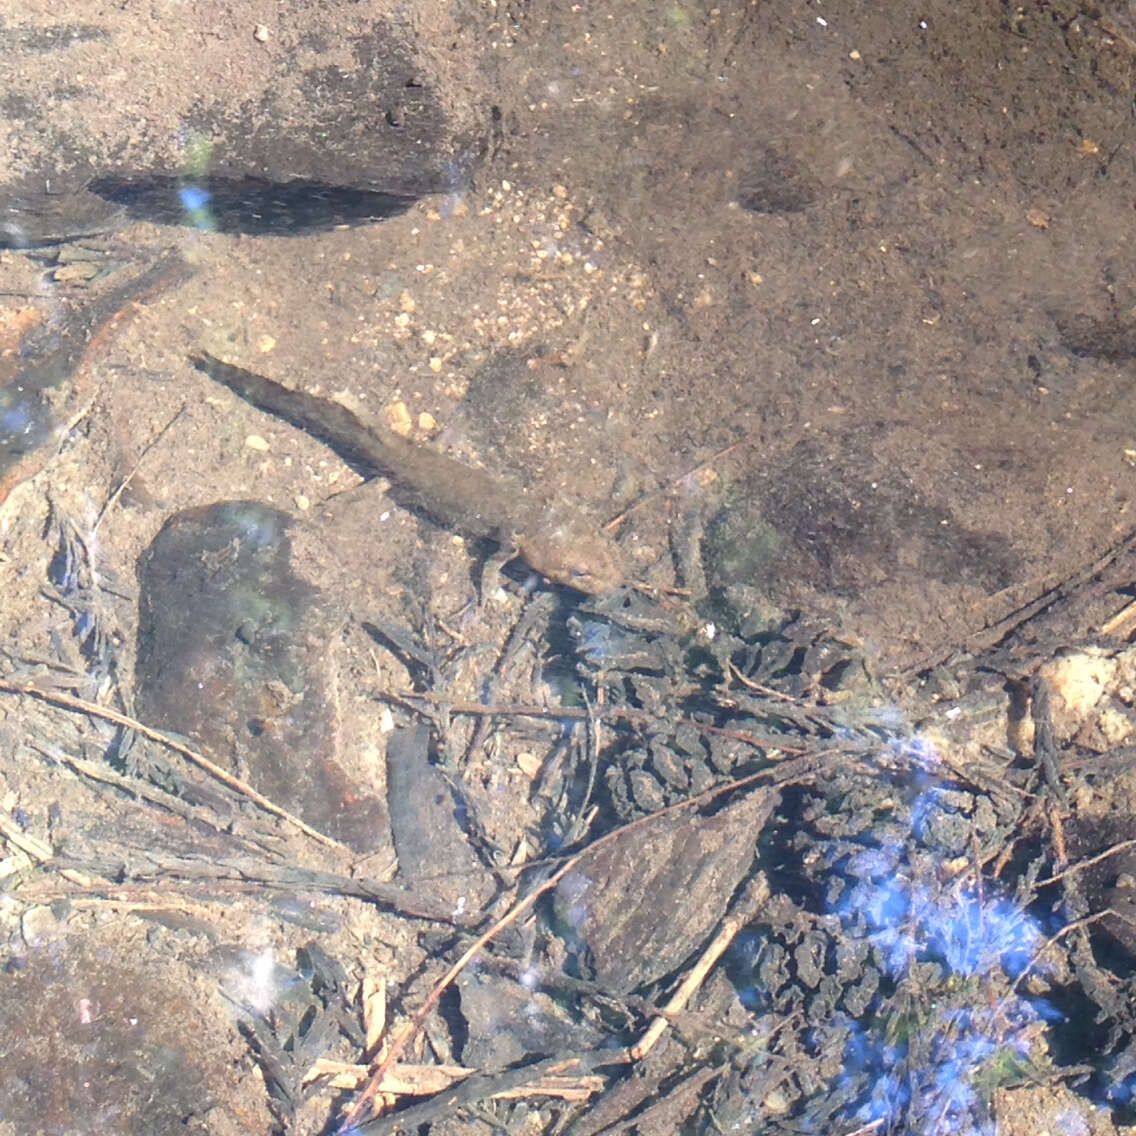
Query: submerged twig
point(80, 705)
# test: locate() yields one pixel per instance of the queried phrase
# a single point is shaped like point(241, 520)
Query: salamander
point(560, 544)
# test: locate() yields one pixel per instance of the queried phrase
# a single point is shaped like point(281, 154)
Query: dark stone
point(426, 825)
point(233, 653)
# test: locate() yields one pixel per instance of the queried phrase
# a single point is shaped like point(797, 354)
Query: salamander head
point(575, 554)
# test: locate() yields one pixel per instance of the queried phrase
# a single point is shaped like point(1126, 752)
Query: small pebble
point(38, 925)
point(398, 418)
point(529, 764)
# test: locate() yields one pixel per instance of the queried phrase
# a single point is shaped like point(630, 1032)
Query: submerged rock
point(98, 1036)
point(233, 652)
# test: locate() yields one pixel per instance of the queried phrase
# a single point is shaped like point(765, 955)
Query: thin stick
point(410, 1030)
point(113, 498)
point(1081, 865)
point(26, 843)
point(731, 925)
point(1069, 928)
point(993, 634)
point(1125, 616)
point(866, 1129)
point(528, 710)
point(615, 522)
point(69, 702)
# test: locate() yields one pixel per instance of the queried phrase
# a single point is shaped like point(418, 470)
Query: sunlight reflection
point(195, 201)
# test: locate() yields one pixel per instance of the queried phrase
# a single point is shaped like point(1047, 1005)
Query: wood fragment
point(482, 1086)
point(1121, 623)
point(374, 998)
point(25, 842)
point(801, 768)
point(421, 1080)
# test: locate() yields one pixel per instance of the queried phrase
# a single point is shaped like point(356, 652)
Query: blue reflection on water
point(975, 943)
point(948, 1024)
point(969, 934)
point(15, 420)
point(195, 201)
point(597, 642)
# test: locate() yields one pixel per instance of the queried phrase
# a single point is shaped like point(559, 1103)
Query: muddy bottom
point(822, 317)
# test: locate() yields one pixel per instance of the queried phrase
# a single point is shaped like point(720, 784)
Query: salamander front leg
point(490, 573)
